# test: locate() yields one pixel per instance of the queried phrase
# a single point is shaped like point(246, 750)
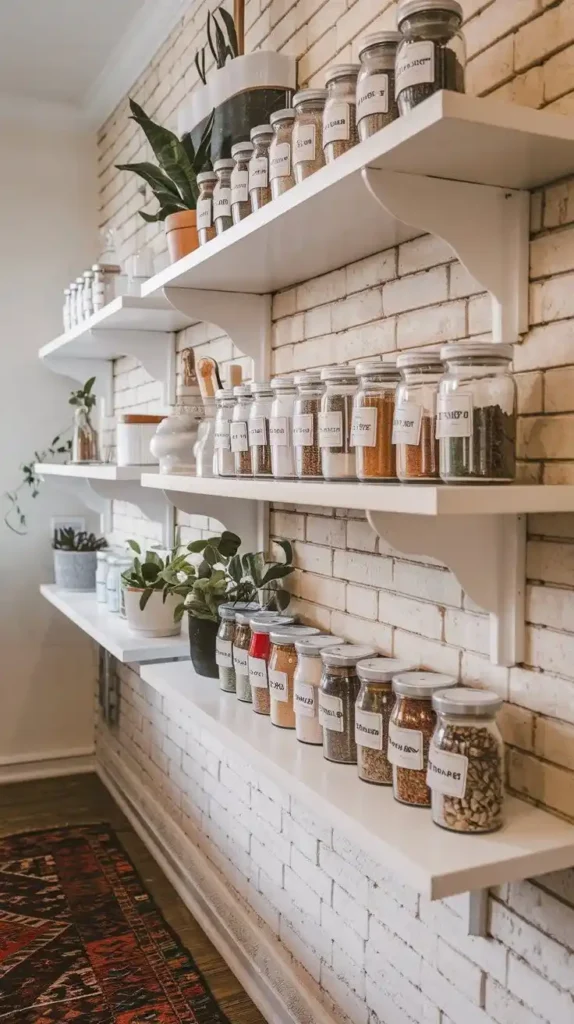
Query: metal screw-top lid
point(206, 176)
point(464, 701)
point(243, 618)
point(378, 368)
point(341, 71)
point(379, 39)
point(407, 8)
point(308, 377)
point(88, 274)
point(311, 647)
point(224, 165)
point(421, 684)
point(317, 96)
point(486, 350)
point(242, 391)
point(287, 114)
point(283, 383)
point(261, 387)
point(226, 613)
point(242, 147)
point(289, 634)
point(223, 394)
point(381, 670)
point(427, 360)
point(342, 373)
point(264, 622)
point(241, 606)
point(260, 129)
point(346, 654)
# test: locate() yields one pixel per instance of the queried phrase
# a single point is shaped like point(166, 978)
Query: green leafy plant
point(68, 539)
point(265, 576)
point(84, 397)
point(146, 572)
point(222, 48)
point(205, 586)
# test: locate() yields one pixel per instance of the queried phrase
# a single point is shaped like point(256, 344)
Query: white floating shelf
point(435, 862)
point(110, 631)
point(84, 471)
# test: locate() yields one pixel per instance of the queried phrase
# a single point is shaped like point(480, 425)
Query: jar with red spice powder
point(259, 650)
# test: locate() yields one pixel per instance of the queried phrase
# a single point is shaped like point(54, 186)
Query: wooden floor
point(83, 799)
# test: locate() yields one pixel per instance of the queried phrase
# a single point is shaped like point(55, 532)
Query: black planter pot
point(202, 634)
point(235, 118)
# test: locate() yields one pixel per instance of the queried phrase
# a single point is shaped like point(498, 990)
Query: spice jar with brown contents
point(207, 181)
point(262, 625)
point(372, 715)
point(410, 732)
point(280, 162)
point(258, 428)
point(376, 103)
point(240, 202)
point(373, 413)
point(282, 665)
point(259, 189)
point(339, 115)
point(339, 689)
point(414, 424)
point(306, 409)
point(337, 449)
point(239, 430)
point(307, 139)
point(222, 195)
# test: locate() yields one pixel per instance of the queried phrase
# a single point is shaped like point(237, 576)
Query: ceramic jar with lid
point(134, 434)
point(307, 137)
point(240, 202)
point(306, 412)
point(280, 428)
point(282, 665)
point(412, 724)
point(280, 164)
point(222, 195)
point(207, 181)
point(259, 188)
point(432, 51)
point(175, 438)
point(414, 425)
point(339, 114)
point(335, 419)
point(373, 415)
point(340, 686)
point(239, 430)
point(306, 685)
point(376, 103)
point(373, 709)
point(241, 644)
point(224, 457)
point(258, 428)
point(262, 624)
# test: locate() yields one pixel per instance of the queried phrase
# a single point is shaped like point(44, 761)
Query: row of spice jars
point(90, 292)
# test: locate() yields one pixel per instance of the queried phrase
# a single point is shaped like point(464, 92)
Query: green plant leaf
point(220, 44)
point(150, 572)
point(145, 598)
point(209, 38)
point(276, 572)
point(133, 544)
point(287, 549)
point(203, 150)
point(197, 546)
point(231, 31)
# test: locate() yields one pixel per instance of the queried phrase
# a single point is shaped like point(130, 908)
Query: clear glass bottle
point(87, 300)
point(66, 319)
point(432, 51)
point(224, 457)
point(376, 103)
point(258, 428)
point(339, 114)
point(101, 576)
point(222, 195)
point(373, 709)
point(204, 448)
point(414, 425)
point(306, 685)
point(335, 419)
point(466, 761)
point(412, 724)
point(239, 430)
point(240, 202)
point(306, 411)
point(207, 181)
point(73, 305)
point(241, 644)
point(85, 446)
point(281, 672)
point(259, 188)
point(280, 428)
point(224, 648)
point(307, 138)
point(104, 282)
point(476, 414)
point(80, 315)
point(113, 585)
point(280, 164)
point(373, 415)
point(339, 689)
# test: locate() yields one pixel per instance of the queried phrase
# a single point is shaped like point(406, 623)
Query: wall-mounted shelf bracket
point(240, 516)
point(151, 503)
point(154, 350)
point(81, 490)
point(81, 370)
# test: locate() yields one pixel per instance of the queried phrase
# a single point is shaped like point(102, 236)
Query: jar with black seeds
point(335, 422)
point(373, 710)
point(340, 686)
point(280, 163)
point(414, 424)
point(376, 103)
point(259, 188)
point(258, 428)
point(240, 430)
point(307, 138)
point(306, 410)
point(432, 52)
point(224, 649)
point(339, 114)
point(207, 181)
point(222, 196)
point(240, 202)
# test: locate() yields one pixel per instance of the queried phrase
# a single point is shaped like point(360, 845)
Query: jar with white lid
point(280, 428)
point(113, 581)
point(241, 643)
point(373, 709)
point(373, 413)
point(340, 686)
point(413, 722)
point(259, 188)
point(240, 202)
point(282, 665)
point(104, 284)
point(87, 299)
point(307, 138)
point(224, 457)
point(101, 576)
point(239, 430)
point(134, 434)
point(376, 103)
point(306, 685)
point(335, 419)
point(339, 114)
point(224, 648)
point(222, 195)
point(466, 761)
point(81, 316)
point(306, 412)
point(258, 428)
point(207, 181)
point(476, 414)
point(432, 52)
point(414, 424)
point(66, 311)
point(72, 303)
point(280, 164)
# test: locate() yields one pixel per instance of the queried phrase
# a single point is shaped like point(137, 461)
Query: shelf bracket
point(241, 516)
point(81, 370)
point(154, 350)
point(477, 912)
point(151, 502)
point(487, 227)
point(81, 490)
point(487, 554)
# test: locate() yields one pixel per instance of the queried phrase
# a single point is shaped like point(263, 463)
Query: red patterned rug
point(81, 941)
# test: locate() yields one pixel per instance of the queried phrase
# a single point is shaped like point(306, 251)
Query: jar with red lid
point(259, 650)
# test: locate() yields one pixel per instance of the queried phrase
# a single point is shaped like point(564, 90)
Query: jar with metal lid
point(207, 181)
point(124, 562)
point(410, 732)
point(306, 684)
point(280, 428)
point(307, 138)
point(376, 103)
point(258, 428)
point(66, 321)
point(239, 432)
point(240, 202)
point(72, 304)
point(476, 414)
point(282, 665)
point(373, 414)
point(101, 576)
point(335, 419)
point(414, 424)
point(104, 284)
point(241, 644)
point(259, 188)
point(373, 709)
point(339, 689)
point(224, 648)
point(432, 51)
point(87, 299)
point(80, 299)
point(466, 761)
point(339, 114)
point(280, 164)
point(222, 195)
point(262, 623)
point(306, 411)
point(116, 566)
point(224, 457)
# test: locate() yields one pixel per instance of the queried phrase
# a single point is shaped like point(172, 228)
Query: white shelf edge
point(103, 471)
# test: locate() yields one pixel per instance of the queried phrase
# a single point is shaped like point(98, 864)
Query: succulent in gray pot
point(75, 558)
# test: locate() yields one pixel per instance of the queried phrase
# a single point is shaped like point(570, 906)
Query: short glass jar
point(224, 457)
point(466, 761)
point(339, 114)
point(222, 195)
point(412, 725)
point(414, 424)
point(280, 165)
point(259, 188)
point(306, 684)
point(340, 686)
point(241, 644)
point(307, 139)
point(373, 414)
point(258, 428)
point(280, 428)
point(224, 648)
point(432, 51)
point(306, 411)
point(262, 623)
point(335, 419)
point(373, 709)
point(476, 414)
point(282, 665)
point(239, 430)
point(207, 181)
point(101, 576)
point(240, 202)
point(376, 103)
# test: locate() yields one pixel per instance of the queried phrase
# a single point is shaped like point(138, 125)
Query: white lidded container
point(134, 433)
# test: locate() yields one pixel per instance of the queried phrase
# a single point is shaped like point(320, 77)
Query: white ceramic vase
point(156, 619)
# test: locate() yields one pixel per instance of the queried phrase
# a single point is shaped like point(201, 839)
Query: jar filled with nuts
point(240, 203)
point(239, 430)
point(414, 424)
point(466, 761)
point(258, 428)
point(410, 732)
point(241, 643)
point(376, 103)
point(306, 410)
point(340, 686)
point(259, 188)
point(282, 665)
point(306, 683)
point(372, 716)
point(280, 163)
point(224, 457)
point(262, 623)
point(337, 450)
point(373, 414)
point(339, 115)
point(307, 139)
point(207, 181)
point(222, 195)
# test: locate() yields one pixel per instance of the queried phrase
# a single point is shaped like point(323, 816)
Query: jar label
point(280, 161)
point(369, 729)
point(330, 712)
point(278, 685)
point(454, 416)
point(304, 701)
point(221, 202)
point(223, 435)
point(447, 772)
point(405, 747)
point(258, 172)
point(364, 428)
point(258, 673)
point(336, 123)
point(257, 431)
point(303, 430)
point(414, 65)
point(239, 437)
point(240, 660)
point(407, 423)
point(279, 430)
point(203, 214)
point(330, 429)
point(240, 187)
point(373, 95)
point(304, 138)
point(223, 656)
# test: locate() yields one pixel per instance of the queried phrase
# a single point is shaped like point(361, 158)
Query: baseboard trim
point(46, 766)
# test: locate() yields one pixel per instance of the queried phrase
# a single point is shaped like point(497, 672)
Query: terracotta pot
point(181, 234)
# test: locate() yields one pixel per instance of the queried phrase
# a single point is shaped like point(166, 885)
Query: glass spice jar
point(281, 673)
point(432, 51)
point(241, 644)
point(258, 428)
point(259, 188)
point(373, 709)
point(222, 195)
point(280, 428)
point(466, 761)
point(476, 414)
point(373, 413)
point(224, 457)
point(280, 164)
point(306, 410)
point(414, 424)
point(376, 103)
point(306, 684)
point(339, 689)
point(224, 649)
point(240, 202)
point(410, 732)
point(207, 181)
point(339, 114)
point(239, 430)
point(259, 649)
point(307, 139)
point(335, 418)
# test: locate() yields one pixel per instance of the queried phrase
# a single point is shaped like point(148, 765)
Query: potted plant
point(150, 606)
point(265, 577)
point(75, 558)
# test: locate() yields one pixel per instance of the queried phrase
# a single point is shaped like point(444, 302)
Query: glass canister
point(307, 138)
point(280, 163)
point(259, 649)
point(373, 414)
point(335, 419)
point(306, 684)
point(376, 103)
point(432, 51)
point(207, 181)
point(280, 428)
point(306, 412)
point(412, 725)
point(259, 188)
point(124, 562)
point(224, 648)
point(87, 299)
point(282, 665)
point(224, 457)
point(101, 576)
point(339, 689)
point(476, 414)
point(222, 195)
point(80, 299)
point(466, 761)
point(414, 424)
point(113, 584)
point(240, 202)
point(258, 428)
point(241, 644)
point(339, 114)
point(373, 709)
point(239, 431)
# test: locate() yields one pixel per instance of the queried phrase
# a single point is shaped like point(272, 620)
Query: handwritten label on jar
point(279, 430)
point(223, 435)
point(304, 139)
point(304, 701)
point(369, 729)
point(330, 712)
point(221, 202)
point(257, 431)
point(454, 416)
point(280, 161)
point(240, 187)
point(373, 95)
point(414, 64)
point(336, 123)
point(203, 214)
point(258, 673)
point(405, 748)
point(258, 172)
point(330, 429)
point(223, 656)
point(364, 428)
point(278, 685)
point(303, 429)
point(447, 772)
point(239, 437)
point(241, 660)
point(407, 423)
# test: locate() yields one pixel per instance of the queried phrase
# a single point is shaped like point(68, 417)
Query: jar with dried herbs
point(339, 114)
point(258, 428)
point(224, 649)
point(207, 181)
point(335, 420)
point(259, 188)
point(224, 457)
point(222, 195)
point(340, 686)
point(410, 732)
point(282, 665)
point(241, 644)
point(376, 103)
point(373, 709)
point(306, 411)
point(240, 202)
point(466, 761)
point(281, 176)
point(414, 424)
point(281, 428)
point(306, 684)
point(307, 139)
point(373, 412)
point(259, 649)
point(239, 430)
point(432, 51)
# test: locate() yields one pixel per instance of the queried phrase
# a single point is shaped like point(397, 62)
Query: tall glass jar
point(339, 114)
point(85, 446)
point(280, 428)
point(66, 318)
point(414, 424)
point(222, 195)
point(207, 181)
point(224, 649)
point(241, 644)
point(373, 709)
point(476, 414)
point(466, 761)
point(432, 51)
point(337, 451)
point(280, 163)
point(307, 139)
point(87, 299)
point(339, 689)
point(282, 665)
point(373, 414)
point(258, 428)
point(376, 103)
point(224, 457)
point(306, 684)
point(101, 576)
point(262, 623)
point(239, 430)
point(306, 411)
point(259, 188)
point(410, 732)
point(240, 203)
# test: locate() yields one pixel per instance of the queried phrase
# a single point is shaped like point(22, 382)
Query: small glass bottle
point(306, 685)
point(73, 306)
point(207, 181)
point(280, 164)
point(240, 202)
point(80, 314)
point(280, 428)
point(85, 446)
point(87, 301)
point(222, 195)
point(376, 103)
point(259, 189)
point(335, 419)
point(411, 728)
point(339, 689)
point(224, 457)
point(239, 430)
point(113, 585)
point(281, 672)
point(373, 415)
point(259, 650)
point(258, 428)
point(224, 648)
point(307, 138)
point(432, 51)
point(241, 644)
point(306, 411)
point(66, 320)
point(339, 115)
point(373, 709)
point(414, 425)
point(101, 576)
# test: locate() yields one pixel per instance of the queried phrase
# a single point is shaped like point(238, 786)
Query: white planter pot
point(75, 570)
point(157, 617)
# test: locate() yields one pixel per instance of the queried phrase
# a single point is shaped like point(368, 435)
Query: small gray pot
point(75, 570)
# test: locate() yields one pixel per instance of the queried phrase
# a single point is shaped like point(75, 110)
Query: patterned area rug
point(81, 941)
